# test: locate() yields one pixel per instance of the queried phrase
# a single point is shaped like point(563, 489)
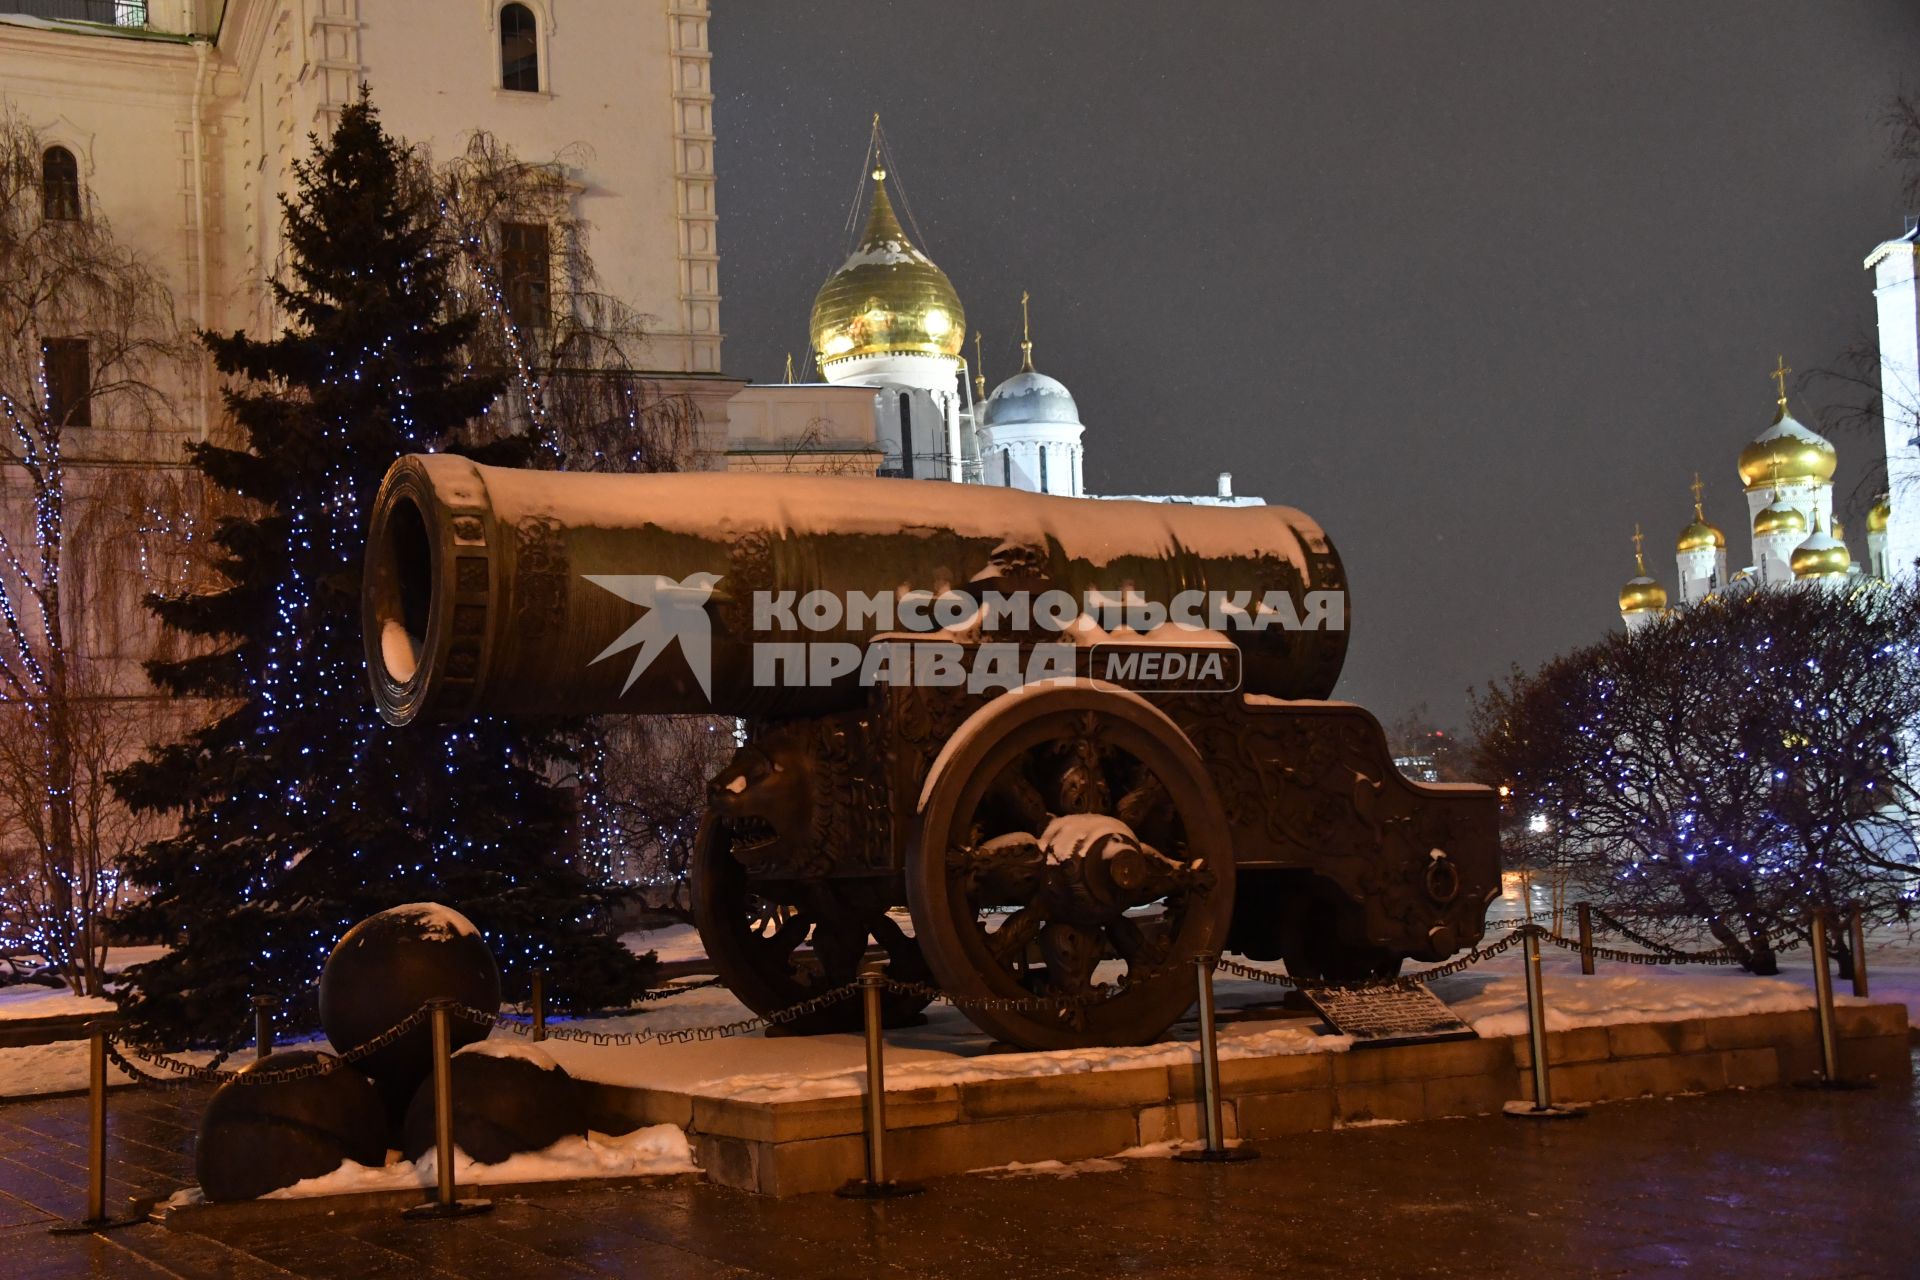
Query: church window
point(59, 185)
point(1006, 469)
point(69, 381)
point(526, 273)
point(1043, 470)
point(519, 50)
point(906, 434)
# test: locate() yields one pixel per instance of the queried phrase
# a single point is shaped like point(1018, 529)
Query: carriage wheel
point(1070, 847)
point(775, 943)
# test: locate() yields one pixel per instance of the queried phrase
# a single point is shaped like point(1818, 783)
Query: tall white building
point(1893, 266)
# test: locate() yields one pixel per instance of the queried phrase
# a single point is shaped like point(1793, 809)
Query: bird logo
point(676, 610)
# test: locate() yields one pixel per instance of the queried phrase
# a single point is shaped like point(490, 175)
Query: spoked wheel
point(1070, 848)
point(776, 943)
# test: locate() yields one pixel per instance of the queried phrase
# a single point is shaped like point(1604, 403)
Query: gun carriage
point(1079, 837)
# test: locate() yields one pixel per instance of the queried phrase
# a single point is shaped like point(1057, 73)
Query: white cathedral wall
point(1696, 572)
point(1012, 456)
point(1773, 557)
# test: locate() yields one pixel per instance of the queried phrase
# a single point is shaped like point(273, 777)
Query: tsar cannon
point(1036, 751)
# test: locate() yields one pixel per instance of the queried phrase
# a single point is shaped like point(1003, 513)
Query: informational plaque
point(1387, 1015)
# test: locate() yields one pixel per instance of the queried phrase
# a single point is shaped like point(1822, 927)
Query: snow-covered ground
point(49, 1068)
point(28, 1000)
point(25, 1000)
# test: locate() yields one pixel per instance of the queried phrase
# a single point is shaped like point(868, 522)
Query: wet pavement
point(1780, 1182)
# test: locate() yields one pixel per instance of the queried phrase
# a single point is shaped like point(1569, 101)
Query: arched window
point(519, 49)
point(59, 185)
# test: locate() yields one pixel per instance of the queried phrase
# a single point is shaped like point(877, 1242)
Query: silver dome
point(1029, 397)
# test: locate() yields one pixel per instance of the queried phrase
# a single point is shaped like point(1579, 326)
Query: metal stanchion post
point(262, 1026)
point(1542, 1107)
point(1586, 937)
point(876, 1185)
point(1216, 1150)
point(1857, 939)
point(444, 1205)
point(96, 1219)
point(1829, 1034)
point(539, 1004)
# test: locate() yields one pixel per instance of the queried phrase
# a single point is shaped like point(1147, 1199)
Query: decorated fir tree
point(299, 811)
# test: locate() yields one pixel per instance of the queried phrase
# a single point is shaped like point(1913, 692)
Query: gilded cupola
point(1699, 536)
point(1786, 451)
point(1822, 555)
point(1641, 595)
point(888, 298)
point(1777, 519)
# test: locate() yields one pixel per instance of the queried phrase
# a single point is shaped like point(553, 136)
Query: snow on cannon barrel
point(958, 701)
point(492, 590)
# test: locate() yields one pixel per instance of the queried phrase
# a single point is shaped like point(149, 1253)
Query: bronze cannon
point(1037, 751)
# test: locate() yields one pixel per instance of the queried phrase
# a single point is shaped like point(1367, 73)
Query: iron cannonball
point(393, 963)
point(507, 1098)
point(256, 1138)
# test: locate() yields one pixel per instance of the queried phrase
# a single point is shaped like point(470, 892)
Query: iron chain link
point(170, 1071)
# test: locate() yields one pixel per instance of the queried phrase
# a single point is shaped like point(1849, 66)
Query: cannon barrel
point(491, 590)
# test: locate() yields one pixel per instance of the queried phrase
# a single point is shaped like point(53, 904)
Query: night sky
point(1476, 285)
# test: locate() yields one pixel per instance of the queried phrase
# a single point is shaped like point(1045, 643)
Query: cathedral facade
point(1786, 476)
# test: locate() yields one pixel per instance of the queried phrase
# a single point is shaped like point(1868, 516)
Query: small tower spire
point(1779, 376)
point(1639, 550)
point(1026, 336)
point(979, 370)
point(1699, 512)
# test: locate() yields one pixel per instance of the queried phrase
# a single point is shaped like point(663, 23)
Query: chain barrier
point(1240, 969)
point(164, 1070)
point(1608, 920)
point(181, 1073)
point(1721, 957)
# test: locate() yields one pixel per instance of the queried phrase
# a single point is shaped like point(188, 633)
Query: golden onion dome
point(1643, 595)
point(1777, 519)
point(1786, 452)
point(888, 298)
point(1700, 536)
point(1821, 556)
point(1877, 518)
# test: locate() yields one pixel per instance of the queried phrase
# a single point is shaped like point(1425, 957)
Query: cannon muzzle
point(497, 591)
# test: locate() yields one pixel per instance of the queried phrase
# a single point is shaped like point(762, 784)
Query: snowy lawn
point(25, 1000)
